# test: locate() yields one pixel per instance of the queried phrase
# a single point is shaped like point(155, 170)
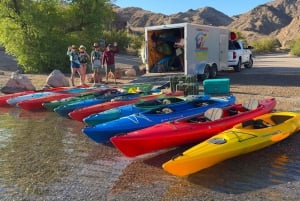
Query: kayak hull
point(80, 114)
point(103, 132)
point(171, 134)
point(125, 110)
point(241, 139)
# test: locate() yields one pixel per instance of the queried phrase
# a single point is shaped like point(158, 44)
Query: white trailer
point(186, 48)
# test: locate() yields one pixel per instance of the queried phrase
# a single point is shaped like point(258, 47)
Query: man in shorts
point(108, 58)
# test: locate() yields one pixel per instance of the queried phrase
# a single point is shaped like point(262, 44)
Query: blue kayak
point(126, 110)
point(104, 131)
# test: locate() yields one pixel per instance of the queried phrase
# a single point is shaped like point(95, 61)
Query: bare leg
point(94, 77)
point(72, 76)
point(79, 71)
point(106, 76)
point(83, 73)
point(99, 78)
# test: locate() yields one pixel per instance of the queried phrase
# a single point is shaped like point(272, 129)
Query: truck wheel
point(205, 74)
point(249, 64)
point(238, 67)
point(213, 72)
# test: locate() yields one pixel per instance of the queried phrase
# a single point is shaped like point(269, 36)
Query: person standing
point(75, 64)
point(96, 63)
point(179, 45)
point(108, 58)
point(83, 59)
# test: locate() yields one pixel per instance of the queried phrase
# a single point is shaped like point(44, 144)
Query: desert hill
point(279, 19)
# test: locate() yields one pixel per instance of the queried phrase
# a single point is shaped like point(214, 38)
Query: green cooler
point(217, 86)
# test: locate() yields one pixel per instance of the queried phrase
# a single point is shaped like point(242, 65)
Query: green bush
point(295, 47)
point(37, 33)
point(265, 45)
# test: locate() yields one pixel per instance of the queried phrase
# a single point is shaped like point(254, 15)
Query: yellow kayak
point(243, 138)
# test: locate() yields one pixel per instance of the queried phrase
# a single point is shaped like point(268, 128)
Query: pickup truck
point(239, 55)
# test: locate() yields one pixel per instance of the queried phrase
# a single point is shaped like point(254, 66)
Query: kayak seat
point(166, 102)
point(257, 124)
point(197, 119)
point(251, 104)
point(233, 111)
point(213, 114)
point(166, 110)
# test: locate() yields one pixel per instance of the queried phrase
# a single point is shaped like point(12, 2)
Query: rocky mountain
point(279, 19)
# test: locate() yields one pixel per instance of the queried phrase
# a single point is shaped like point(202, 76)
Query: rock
point(57, 79)
point(135, 71)
point(130, 73)
point(17, 83)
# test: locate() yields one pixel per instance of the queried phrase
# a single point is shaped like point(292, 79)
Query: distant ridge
point(279, 19)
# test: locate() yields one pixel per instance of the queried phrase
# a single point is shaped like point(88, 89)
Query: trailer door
point(223, 51)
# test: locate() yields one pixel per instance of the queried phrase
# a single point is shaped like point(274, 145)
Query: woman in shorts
point(75, 64)
point(96, 56)
point(84, 57)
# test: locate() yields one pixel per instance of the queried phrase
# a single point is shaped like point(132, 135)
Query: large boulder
point(17, 83)
point(134, 71)
point(57, 79)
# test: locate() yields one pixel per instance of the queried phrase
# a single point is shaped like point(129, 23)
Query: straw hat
point(96, 45)
point(81, 47)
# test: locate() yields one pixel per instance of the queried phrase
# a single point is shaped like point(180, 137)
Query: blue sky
point(230, 8)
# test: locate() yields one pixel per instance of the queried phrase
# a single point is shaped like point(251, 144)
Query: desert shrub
point(295, 47)
point(265, 45)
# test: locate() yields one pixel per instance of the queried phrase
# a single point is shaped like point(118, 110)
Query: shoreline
point(273, 75)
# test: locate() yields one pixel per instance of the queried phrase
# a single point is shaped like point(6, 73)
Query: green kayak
point(54, 104)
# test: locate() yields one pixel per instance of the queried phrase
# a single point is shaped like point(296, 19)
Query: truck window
point(237, 45)
point(231, 46)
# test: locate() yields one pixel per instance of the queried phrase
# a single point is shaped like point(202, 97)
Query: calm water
point(46, 157)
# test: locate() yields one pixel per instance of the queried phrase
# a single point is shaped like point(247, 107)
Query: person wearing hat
point(83, 59)
point(96, 63)
point(108, 58)
point(75, 64)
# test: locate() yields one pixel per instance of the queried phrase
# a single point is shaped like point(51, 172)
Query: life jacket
point(83, 58)
point(96, 55)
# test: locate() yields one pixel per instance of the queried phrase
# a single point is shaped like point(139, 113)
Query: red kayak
point(80, 114)
point(4, 98)
point(189, 130)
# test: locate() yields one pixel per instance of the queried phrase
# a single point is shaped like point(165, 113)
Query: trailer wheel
point(238, 67)
point(213, 72)
point(206, 73)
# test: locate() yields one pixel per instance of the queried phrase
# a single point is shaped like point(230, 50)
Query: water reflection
point(28, 161)
point(46, 157)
